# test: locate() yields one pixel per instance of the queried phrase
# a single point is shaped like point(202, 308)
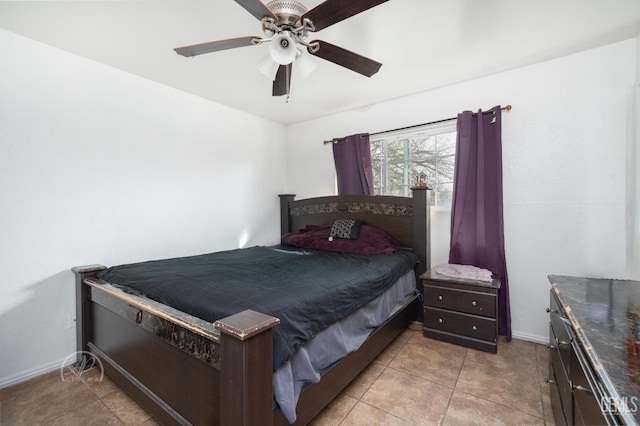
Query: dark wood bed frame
point(183, 370)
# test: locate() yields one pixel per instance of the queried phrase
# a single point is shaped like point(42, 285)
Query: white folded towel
point(468, 272)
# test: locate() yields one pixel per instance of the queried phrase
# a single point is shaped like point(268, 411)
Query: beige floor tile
point(469, 410)
point(542, 354)
point(125, 408)
point(510, 387)
point(33, 388)
point(542, 351)
point(44, 399)
point(98, 382)
point(444, 348)
point(438, 366)
point(546, 404)
point(364, 380)
point(407, 335)
point(336, 411)
point(366, 415)
point(514, 354)
point(390, 352)
point(410, 398)
point(150, 422)
point(95, 413)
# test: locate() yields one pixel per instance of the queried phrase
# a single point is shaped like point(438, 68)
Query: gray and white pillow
point(348, 229)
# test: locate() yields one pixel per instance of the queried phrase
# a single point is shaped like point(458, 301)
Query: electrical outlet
point(71, 321)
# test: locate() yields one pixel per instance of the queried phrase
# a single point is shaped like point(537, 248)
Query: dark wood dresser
point(461, 311)
point(594, 343)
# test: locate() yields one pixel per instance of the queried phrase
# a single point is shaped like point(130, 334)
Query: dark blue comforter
point(307, 291)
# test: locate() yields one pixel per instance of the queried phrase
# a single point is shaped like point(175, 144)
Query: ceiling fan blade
point(332, 11)
point(256, 8)
point(214, 46)
point(282, 83)
point(345, 58)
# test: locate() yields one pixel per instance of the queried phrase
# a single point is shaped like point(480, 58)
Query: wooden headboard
point(406, 219)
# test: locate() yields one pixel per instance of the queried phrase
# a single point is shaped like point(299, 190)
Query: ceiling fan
point(287, 24)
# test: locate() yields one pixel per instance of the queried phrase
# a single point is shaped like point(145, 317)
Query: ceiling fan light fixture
point(305, 64)
point(283, 49)
point(268, 67)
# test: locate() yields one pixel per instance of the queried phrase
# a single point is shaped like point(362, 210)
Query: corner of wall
point(633, 185)
point(633, 178)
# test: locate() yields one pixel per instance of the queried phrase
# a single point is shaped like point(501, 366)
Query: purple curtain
point(352, 157)
point(477, 226)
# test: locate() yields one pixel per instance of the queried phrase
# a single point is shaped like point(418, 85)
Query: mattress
point(306, 290)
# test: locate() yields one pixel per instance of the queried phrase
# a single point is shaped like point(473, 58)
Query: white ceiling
point(422, 44)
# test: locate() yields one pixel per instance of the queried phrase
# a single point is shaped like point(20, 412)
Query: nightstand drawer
point(460, 323)
point(471, 302)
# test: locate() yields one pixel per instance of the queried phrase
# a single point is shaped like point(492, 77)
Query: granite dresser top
point(605, 314)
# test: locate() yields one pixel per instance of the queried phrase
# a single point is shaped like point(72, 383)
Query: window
point(398, 158)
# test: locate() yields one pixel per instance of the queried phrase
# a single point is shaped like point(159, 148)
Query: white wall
point(100, 166)
point(564, 147)
point(633, 179)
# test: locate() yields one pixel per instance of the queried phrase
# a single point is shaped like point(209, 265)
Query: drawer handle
point(581, 388)
point(548, 346)
point(474, 328)
point(549, 380)
point(440, 320)
point(134, 314)
point(562, 342)
point(440, 298)
point(474, 303)
point(552, 311)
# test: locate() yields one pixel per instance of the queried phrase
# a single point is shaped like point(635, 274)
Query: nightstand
point(461, 311)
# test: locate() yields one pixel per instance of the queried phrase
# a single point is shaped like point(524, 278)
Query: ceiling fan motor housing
point(288, 12)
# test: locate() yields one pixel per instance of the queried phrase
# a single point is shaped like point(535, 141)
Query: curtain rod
point(504, 108)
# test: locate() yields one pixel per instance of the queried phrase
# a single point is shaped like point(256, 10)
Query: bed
point(185, 369)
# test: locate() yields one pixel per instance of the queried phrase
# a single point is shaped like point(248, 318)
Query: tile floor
point(415, 381)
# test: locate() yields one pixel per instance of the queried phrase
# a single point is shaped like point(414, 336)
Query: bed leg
point(246, 390)
point(83, 313)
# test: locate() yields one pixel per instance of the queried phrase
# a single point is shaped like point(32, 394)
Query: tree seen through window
point(398, 159)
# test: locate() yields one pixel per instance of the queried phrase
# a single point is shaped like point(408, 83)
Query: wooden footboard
point(177, 368)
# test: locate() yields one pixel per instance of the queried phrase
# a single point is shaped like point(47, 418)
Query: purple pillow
point(371, 240)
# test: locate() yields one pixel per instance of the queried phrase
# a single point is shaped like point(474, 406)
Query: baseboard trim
point(543, 340)
point(31, 373)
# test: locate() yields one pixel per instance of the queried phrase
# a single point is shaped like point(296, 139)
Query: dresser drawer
point(560, 336)
point(559, 371)
point(471, 302)
point(458, 323)
point(588, 401)
point(557, 408)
